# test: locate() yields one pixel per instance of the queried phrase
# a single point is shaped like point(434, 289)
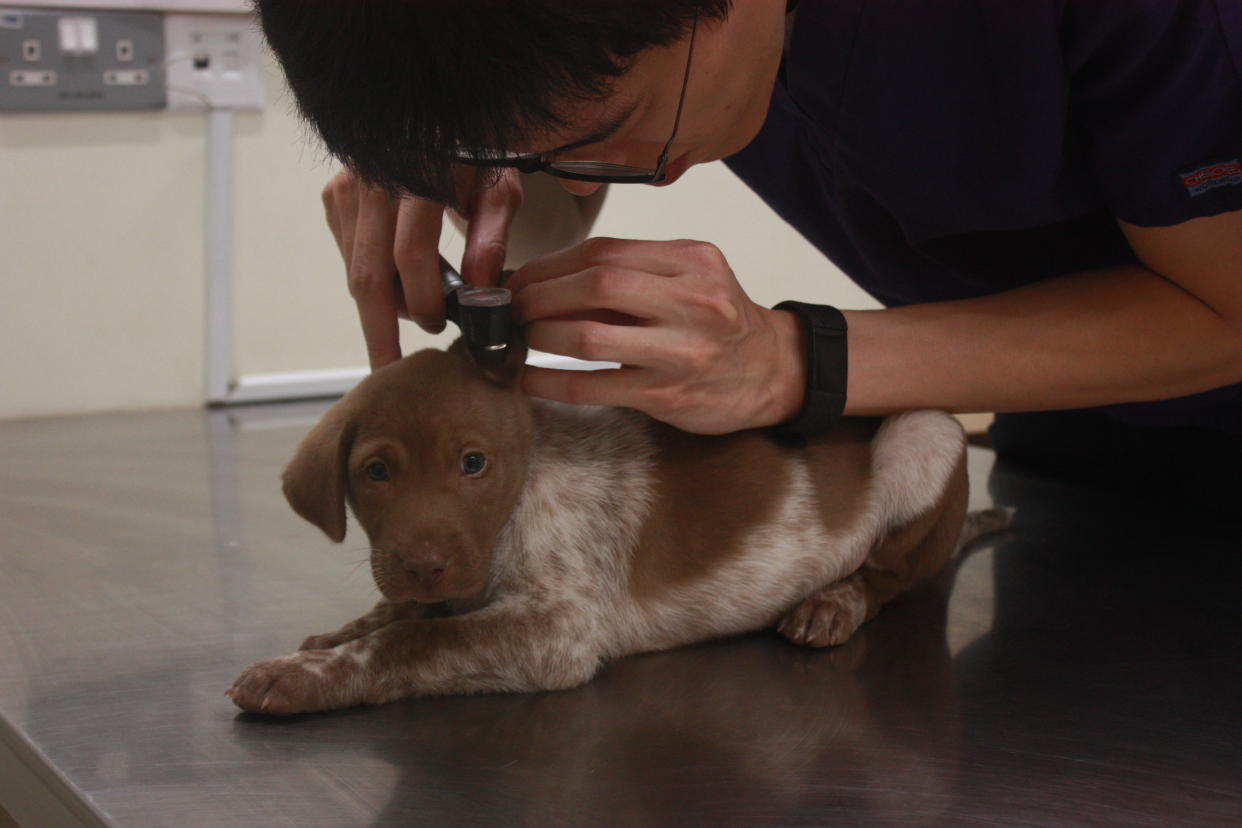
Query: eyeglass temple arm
point(685, 81)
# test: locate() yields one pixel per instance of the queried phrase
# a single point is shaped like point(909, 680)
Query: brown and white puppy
point(519, 544)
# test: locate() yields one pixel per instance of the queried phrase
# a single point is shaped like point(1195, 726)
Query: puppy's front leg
point(494, 649)
point(383, 614)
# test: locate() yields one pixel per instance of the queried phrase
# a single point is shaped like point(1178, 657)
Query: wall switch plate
point(214, 61)
point(52, 60)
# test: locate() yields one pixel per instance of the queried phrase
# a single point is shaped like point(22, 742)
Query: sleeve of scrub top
point(1156, 85)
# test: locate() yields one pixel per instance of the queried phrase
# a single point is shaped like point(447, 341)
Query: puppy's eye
point(472, 463)
point(377, 471)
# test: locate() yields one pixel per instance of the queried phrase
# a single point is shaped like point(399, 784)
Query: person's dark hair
point(393, 86)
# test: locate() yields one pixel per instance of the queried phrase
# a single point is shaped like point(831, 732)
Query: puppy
point(519, 544)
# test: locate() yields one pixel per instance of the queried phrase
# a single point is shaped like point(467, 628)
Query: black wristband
point(827, 365)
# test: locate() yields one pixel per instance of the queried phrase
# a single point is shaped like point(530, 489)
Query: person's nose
point(579, 188)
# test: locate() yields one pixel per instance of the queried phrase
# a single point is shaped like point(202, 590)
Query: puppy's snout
point(426, 563)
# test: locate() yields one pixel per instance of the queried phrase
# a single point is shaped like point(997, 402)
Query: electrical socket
point(65, 60)
point(212, 61)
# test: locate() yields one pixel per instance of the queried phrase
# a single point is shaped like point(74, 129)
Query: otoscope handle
point(450, 278)
point(483, 314)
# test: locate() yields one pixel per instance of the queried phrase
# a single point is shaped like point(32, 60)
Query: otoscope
point(482, 313)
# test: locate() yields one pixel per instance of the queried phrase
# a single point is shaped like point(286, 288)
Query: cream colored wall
point(709, 203)
point(101, 291)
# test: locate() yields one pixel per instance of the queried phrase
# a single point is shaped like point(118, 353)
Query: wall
point(101, 296)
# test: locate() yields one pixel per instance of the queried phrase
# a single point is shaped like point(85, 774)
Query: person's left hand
point(694, 350)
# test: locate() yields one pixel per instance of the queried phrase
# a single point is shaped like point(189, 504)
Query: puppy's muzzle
point(427, 562)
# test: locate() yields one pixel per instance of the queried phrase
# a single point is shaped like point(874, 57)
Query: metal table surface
point(1085, 670)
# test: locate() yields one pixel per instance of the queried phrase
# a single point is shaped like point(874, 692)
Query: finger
point(379, 328)
point(332, 216)
point(662, 258)
point(627, 291)
point(345, 203)
point(371, 280)
point(487, 240)
point(607, 386)
point(632, 345)
point(416, 251)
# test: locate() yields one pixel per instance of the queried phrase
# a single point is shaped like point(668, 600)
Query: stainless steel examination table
point(1085, 670)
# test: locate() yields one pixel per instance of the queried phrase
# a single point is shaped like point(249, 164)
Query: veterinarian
point(1046, 196)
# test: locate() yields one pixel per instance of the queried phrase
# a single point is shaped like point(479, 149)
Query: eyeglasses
point(597, 171)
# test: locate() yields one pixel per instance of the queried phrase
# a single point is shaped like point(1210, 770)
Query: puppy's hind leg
point(831, 615)
point(901, 557)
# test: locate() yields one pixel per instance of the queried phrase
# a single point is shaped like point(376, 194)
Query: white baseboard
point(333, 382)
point(292, 385)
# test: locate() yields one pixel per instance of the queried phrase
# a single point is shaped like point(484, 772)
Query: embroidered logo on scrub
point(1211, 176)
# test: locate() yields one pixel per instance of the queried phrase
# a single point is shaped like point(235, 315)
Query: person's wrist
point(788, 386)
point(825, 368)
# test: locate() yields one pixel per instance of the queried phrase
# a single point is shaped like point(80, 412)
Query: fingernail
point(430, 324)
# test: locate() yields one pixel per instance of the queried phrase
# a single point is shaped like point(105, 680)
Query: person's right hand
point(391, 250)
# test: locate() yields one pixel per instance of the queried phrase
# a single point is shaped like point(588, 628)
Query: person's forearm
point(1106, 336)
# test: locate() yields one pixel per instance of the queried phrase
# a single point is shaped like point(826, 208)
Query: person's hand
point(391, 251)
point(694, 350)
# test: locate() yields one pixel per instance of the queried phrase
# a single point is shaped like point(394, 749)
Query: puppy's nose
point(427, 565)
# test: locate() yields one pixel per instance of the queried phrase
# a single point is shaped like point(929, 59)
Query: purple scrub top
point(947, 149)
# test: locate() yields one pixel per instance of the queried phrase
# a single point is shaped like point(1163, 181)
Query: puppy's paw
point(827, 618)
point(299, 683)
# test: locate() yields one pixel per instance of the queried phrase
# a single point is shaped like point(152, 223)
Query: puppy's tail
point(984, 524)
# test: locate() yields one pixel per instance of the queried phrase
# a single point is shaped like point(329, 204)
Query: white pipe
point(218, 253)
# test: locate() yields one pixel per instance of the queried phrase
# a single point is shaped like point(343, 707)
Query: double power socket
point(84, 59)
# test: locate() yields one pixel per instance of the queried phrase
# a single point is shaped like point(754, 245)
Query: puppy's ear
point(504, 368)
point(314, 481)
